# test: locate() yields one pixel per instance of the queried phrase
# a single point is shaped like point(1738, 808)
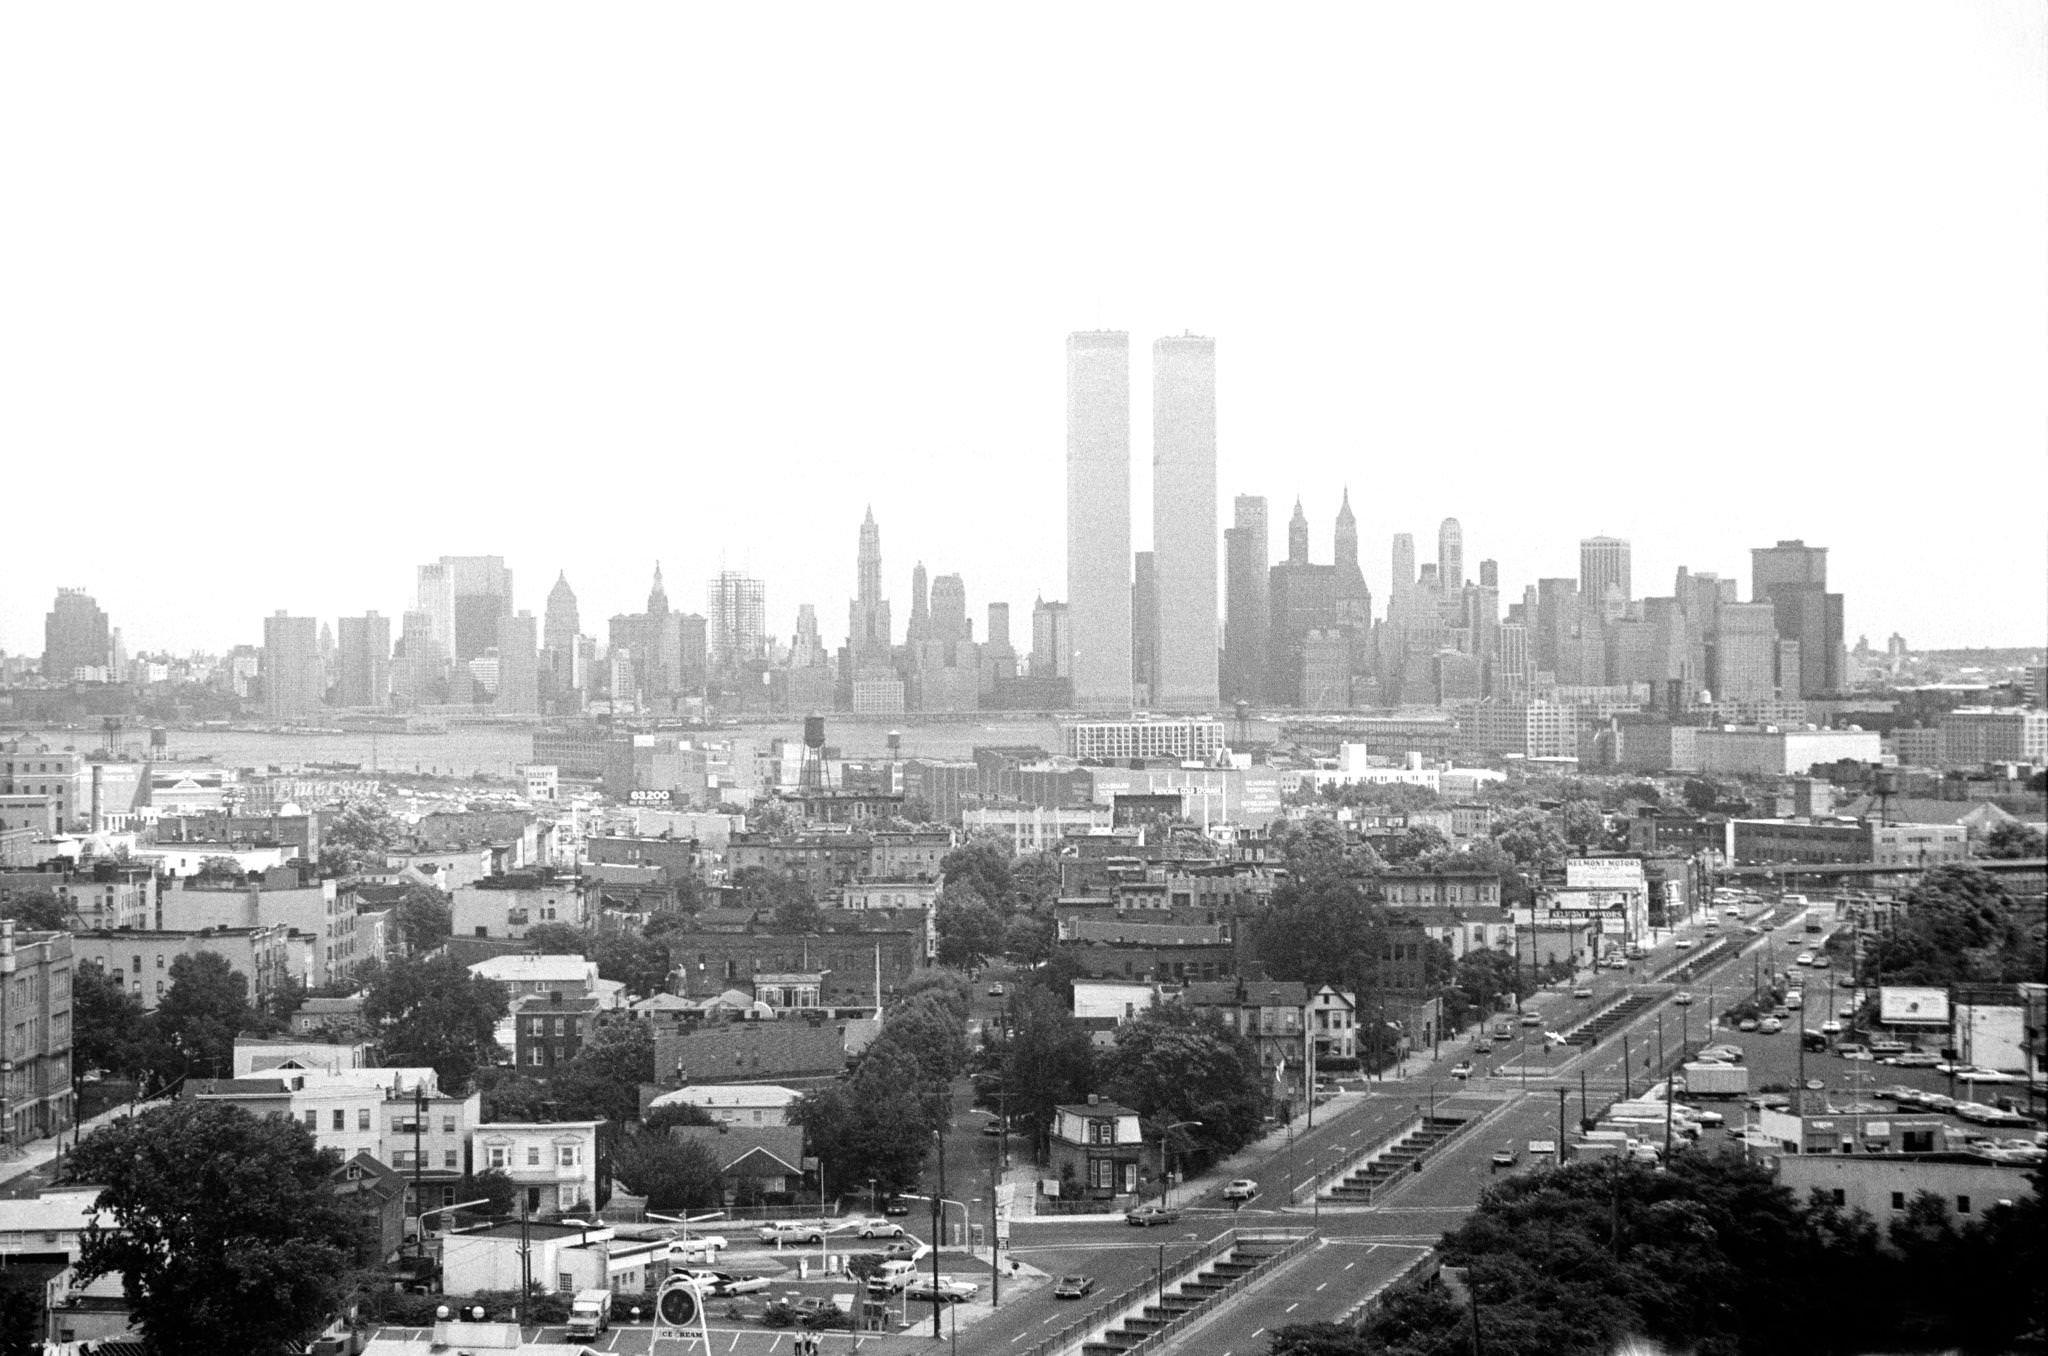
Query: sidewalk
point(37, 1155)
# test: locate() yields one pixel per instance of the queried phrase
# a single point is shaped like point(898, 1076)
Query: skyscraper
point(75, 636)
point(999, 630)
point(1793, 578)
point(948, 617)
point(1184, 529)
point(1604, 565)
point(363, 661)
point(518, 689)
point(1401, 589)
point(1052, 641)
point(736, 620)
point(291, 666)
point(1098, 607)
point(1450, 557)
point(1346, 541)
point(1145, 624)
point(1247, 550)
point(867, 625)
point(466, 597)
point(1297, 535)
point(559, 631)
point(920, 607)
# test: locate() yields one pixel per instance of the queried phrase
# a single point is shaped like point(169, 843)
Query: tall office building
point(363, 661)
point(999, 630)
point(920, 607)
point(868, 636)
point(1489, 574)
point(1297, 535)
point(1401, 588)
point(1604, 565)
point(1744, 664)
point(1450, 557)
point(949, 610)
point(75, 636)
point(518, 690)
point(292, 673)
point(1512, 670)
point(806, 647)
point(1184, 528)
point(736, 620)
point(466, 597)
point(1145, 625)
point(1793, 578)
point(1346, 548)
point(1247, 551)
point(1098, 606)
point(1052, 639)
point(560, 628)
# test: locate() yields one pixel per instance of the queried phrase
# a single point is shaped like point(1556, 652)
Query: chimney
point(1094, 1099)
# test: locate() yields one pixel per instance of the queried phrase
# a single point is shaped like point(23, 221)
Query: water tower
point(811, 775)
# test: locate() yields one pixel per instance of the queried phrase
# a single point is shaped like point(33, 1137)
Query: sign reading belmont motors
point(1604, 873)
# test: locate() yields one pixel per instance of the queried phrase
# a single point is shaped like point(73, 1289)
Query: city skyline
point(1699, 326)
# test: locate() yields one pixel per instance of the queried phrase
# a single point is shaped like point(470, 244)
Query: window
point(499, 1155)
point(568, 1156)
point(1102, 1132)
point(340, 1119)
point(1962, 1205)
point(448, 1157)
point(448, 1125)
point(1841, 1196)
point(1102, 1173)
point(533, 1155)
point(312, 1120)
point(1898, 1200)
point(137, 966)
point(362, 1118)
point(159, 988)
point(159, 960)
point(533, 1056)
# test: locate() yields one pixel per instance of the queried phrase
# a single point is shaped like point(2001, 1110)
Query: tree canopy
point(107, 1024)
point(1172, 1064)
point(1959, 926)
point(435, 1012)
point(426, 918)
point(672, 1175)
point(225, 1227)
point(358, 839)
point(200, 1014)
point(36, 910)
point(970, 930)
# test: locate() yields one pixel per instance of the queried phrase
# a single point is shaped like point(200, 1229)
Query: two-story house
point(553, 1164)
point(1098, 1149)
point(548, 1030)
point(1271, 1014)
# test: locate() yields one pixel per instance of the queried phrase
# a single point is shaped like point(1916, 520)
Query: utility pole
point(1558, 1157)
point(419, 1200)
point(938, 1235)
point(995, 1262)
point(1627, 1089)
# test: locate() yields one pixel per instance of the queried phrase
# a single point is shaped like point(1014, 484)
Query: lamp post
point(1166, 1161)
point(440, 1210)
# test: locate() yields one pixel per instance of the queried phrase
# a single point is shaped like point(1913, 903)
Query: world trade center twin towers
point(1184, 523)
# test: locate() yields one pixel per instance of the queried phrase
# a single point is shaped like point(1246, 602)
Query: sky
point(294, 298)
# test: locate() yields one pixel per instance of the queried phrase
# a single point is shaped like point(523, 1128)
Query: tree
point(558, 939)
point(1170, 1064)
point(1028, 939)
point(970, 931)
point(672, 1175)
point(359, 839)
point(951, 987)
point(1703, 795)
point(603, 1081)
point(984, 866)
point(641, 965)
point(494, 1187)
point(1585, 827)
point(1959, 926)
point(1036, 876)
point(224, 1228)
point(201, 1013)
point(874, 1124)
point(1530, 837)
point(219, 868)
point(1319, 1339)
point(435, 1012)
point(36, 911)
point(1322, 929)
point(1484, 975)
point(1046, 1061)
point(931, 1031)
point(1417, 843)
point(799, 914)
point(1317, 846)
point(2010, 841)
point(107, 1024)
point(671, 1114)
point(426, 918)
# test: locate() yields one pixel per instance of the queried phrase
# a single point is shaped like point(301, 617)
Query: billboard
point(1604, 873)
point(1912, 1005)
point(1587, 901)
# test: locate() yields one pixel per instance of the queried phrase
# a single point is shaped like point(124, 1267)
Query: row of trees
point(1710, 1256)
point(1960, 925)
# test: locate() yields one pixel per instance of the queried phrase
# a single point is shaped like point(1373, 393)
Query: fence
point(1153, 1341)
point(1425, 1261)
point(1135, 1297)
point(1317, 1181)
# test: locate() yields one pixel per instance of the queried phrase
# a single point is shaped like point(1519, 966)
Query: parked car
point(1242, 1189)
point(1532, 1019)
point(1582, 992)
point(1980, 1114)
point(1072, 1287)
point(725, 1285)
point(698, 1245)
point(811, 1311)
point(1683, 1000)
point(944, 1290)
point(1683, 943)
point(1770, 1026)
point(1462, 1069)
point(1914, 1059)
point(792, 1231)
point(896, 1208)
point(995, 991)
point(880, 1228)
point(1482, 1046)
point(1965, 1073)
point(904, 1250)
point(1145, 1216)
point(1746, 1024)
point(1803, 958)
point(1731, 1054)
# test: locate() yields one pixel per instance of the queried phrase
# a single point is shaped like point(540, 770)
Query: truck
point(590, 1314)
point(1716, 1080)
point(1543, 1148)
point(1601, 1144)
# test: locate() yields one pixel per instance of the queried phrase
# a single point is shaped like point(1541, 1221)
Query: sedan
point(1683, 1000)
point(1072, 1287)
point(1830, 1028)
point(1582, 992)
point(1804, 958)
point(698, 1243)
point(995, 991)
point(896, 1208)
point(1770, 1026)
point(880, 1228)
point(1683, 943)
point(944, 1290)
point(1506, 1156)
point(1915, 1059)
point(1746, 1024)
point(724, 1285)
point(1243, 1189)
point(1968, 1074)
point(1147, 1215)
point(1462, 1069)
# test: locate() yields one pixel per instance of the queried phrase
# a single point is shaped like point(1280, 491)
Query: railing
point(1152, 1341)
point(1317, 1181)
point(1112, 1310)
point(1374, 1192)
point(1355, 1315)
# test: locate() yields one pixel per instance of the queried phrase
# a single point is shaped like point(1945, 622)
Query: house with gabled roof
point(753, 1161)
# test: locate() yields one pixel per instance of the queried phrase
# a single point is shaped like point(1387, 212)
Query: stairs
point(1217, 1278)
point(1359, 1186)
point(1610, 1021)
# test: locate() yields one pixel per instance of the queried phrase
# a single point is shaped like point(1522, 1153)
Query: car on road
point(1462, 1069)
point(1706, 1115)
point(995, 991)
point(1731, 1054)
point(1582, 992)
point(1966, 1073)
point(992, 1128)
point(725, 1284)
point(1683, 1000)
point(1822, 961)
point(943, 1290)
point(1532, 1019)
point(1830, 1028)
point(1506, 1156)
point(1770, 1026)
point(880, 1228)
point(1482, 1046)
point(1242, 1189)
point(791, 1231)
point(1746, 1024)
point(896, 1207)
point(1753, 931)
point(1803, 958)
point(1913, 1059)
point(1072, 1287)
point(904, 1250)
point(1683, 943)
point(1145, 1216)
point(698, 1244)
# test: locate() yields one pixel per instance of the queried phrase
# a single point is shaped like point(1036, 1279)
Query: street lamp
point(1165, 1161)
point(686, 1221)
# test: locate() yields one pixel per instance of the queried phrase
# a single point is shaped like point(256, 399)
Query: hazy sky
point(293, 298)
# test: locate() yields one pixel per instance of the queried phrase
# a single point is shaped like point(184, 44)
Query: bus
point(1813, 921)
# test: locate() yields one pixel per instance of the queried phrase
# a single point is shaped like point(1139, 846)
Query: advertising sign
point(663, 798)
point(1606, 873)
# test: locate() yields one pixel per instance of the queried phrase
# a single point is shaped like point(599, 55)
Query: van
point(892, 1276)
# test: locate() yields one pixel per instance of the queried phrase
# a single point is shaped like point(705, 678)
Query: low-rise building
point(1098, 1149)
point(549, 1029)
point(35, 1025)
point(1883, 1185)
point(753, 1162)
point(552, 1164)
point(561, 1259)
point(508, 905)
point(534, 976)
point(735, 1104)
point(141, 960)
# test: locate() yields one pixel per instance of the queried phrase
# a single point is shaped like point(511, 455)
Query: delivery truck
point(590, 1313)
point(1716, 1080)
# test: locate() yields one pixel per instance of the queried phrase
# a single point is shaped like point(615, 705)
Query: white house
point(554, 1164)
point(735, 1103)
